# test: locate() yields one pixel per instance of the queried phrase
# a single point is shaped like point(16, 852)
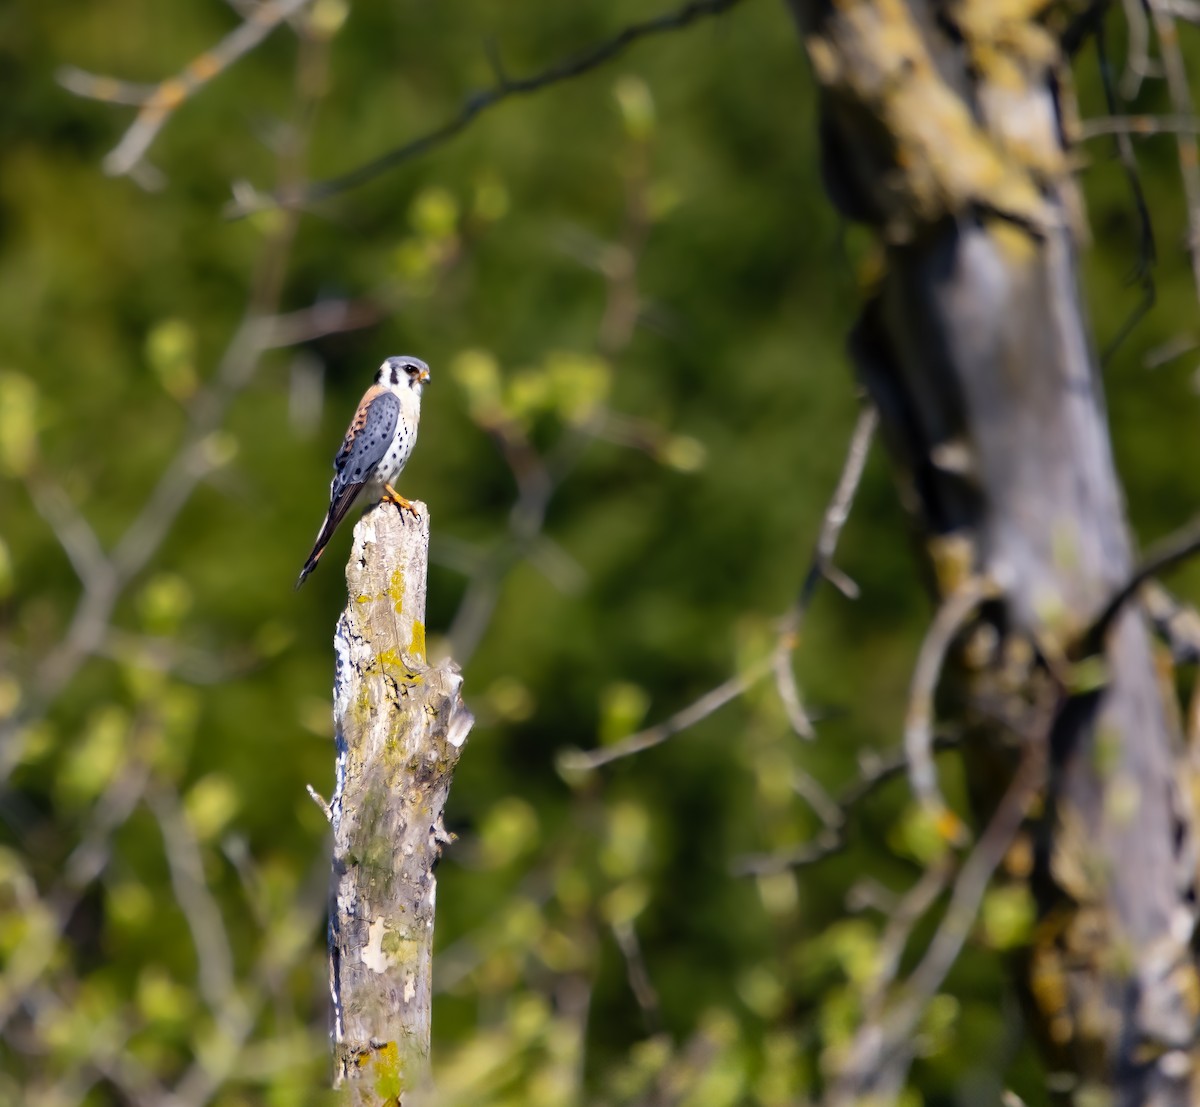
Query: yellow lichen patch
point(392, 664)
point(953, 557)
point(168, 96)
point(396, 588)
point(204, 67)
point(388, 1071)
point(1048, 985)
point(416, 648)
point(1014, 243)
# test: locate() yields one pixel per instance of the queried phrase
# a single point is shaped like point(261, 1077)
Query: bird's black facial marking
point(395, 376)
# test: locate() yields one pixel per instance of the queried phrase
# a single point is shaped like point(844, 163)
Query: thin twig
point(1138, 125)
point(834, 837)
point(839, 507)
point(479, 102)
point(902, 918)
point(214, 955)
point(74, 533)
point(1170, 551)
point(573, 760)
point(832, 522)
point(1137, 59)
point(193, 462)
point(821, 568)
point(637, 974)
point(1162, 17)
point(1148, 256)
point(883, 1045)
point(951, 617)
point(158, 102)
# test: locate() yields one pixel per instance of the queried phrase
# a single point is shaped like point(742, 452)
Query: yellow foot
point(391, 496)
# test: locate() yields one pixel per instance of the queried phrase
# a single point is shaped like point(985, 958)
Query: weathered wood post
point(400, 727)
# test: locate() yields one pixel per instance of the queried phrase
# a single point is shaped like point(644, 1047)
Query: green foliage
point(630, 286)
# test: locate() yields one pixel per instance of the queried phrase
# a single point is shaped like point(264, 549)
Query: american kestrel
point(377, 444)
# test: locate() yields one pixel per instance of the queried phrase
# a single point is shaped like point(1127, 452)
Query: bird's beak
point(424, 376)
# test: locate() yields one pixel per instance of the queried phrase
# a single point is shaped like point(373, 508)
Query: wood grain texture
point(400, 728)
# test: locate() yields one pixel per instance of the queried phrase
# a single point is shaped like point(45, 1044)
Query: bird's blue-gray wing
point(364, 447)
point(366, 442)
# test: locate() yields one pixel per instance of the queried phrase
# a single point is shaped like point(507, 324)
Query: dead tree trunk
point(944, 127)
point(400, 726)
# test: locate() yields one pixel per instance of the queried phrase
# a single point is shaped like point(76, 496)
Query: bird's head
point(398, 373)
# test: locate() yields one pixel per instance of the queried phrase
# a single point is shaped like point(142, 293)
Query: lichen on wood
point(400, 726)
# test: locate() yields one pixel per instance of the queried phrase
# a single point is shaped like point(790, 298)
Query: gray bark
point(975, 347)
point(400, 727)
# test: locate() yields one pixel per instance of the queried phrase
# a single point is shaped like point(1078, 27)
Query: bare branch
point(158, 102)
point(1163, 20)
point(325, 317)
point(882, 1047)
point(1139, 125)
point(951, 617)
point(214, 976)
point(195, 460)
point(572, 760)
point(73, 531)
point(479, 102)
point(1137, 61)
point(1178, 624)
point(839, 507)
point(637, 974)
point(834, 836)
point(779, 661)
point(1170, 551)
point(822, 567)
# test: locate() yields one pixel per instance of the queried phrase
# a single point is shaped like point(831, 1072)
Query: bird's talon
point(391, 496)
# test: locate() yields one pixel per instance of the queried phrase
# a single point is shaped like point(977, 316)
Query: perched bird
point(377, 444)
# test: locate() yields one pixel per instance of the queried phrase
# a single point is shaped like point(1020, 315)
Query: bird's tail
point(342, 501)
point(323, 536)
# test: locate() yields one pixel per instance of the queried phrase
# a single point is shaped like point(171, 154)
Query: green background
point(164, 787)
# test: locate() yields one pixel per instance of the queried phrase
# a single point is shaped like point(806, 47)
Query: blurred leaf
point(625, 902)
point(326, 17)
point(580, 383)
point(171, 352)
point(510, 700)
point(162, 999)
point(10, 695)
point(1007, 916)
point(434, 213)
point(938, 1024)
point(6, 571)
point(18, 423)
point(919, 834)
point(163, 602)
point(478, 375)
point(210, 804)
point(627, 845)
point(761, 989)
point(623, 707)
point(93, 760)
point(637, 107)
point(508, 830)
point(683, 454)
point(491, 198)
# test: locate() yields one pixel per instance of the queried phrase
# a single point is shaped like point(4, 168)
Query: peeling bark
point(400, 727)
point(944, 128)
